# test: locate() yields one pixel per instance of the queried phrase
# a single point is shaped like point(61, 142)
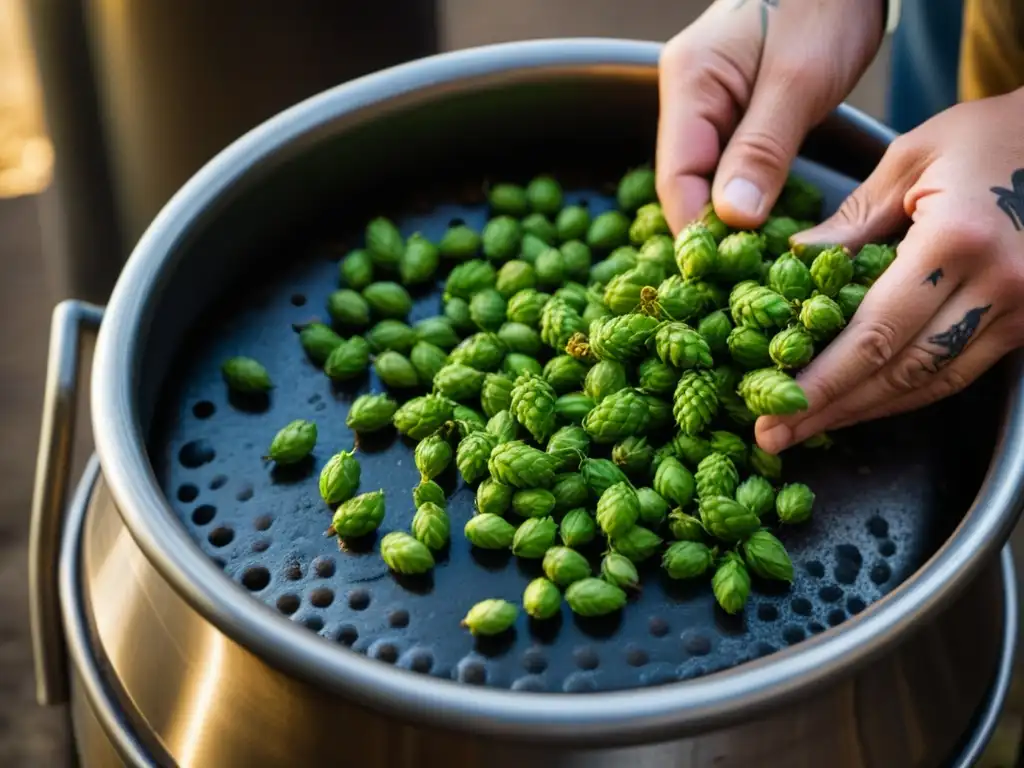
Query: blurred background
point(107, 106)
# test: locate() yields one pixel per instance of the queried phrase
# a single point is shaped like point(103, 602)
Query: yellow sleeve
point(992, 48)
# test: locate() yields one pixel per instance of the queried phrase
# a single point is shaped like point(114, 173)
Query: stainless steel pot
point(205, 675)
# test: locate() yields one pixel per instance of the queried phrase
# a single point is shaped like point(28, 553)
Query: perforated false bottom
point(888, 494)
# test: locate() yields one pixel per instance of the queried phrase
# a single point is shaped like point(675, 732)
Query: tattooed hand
point(753, 76)
point(952, 303)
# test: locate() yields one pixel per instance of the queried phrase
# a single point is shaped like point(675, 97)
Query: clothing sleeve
point(992, 48)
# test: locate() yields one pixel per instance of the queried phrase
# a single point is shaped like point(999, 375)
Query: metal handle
point(53, 469)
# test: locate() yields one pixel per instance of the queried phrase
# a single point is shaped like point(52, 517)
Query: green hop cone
point(391, 335)
point(653, 507)
point(501, 238)
point(649, 222)
point(430, 525)
point(487, 309)
point(570, 491)
point(765, 464)
point(715, 329)
point(727, 519)
point(388, 299)
point(483, 351)
point(593, 597)
point(680, 346)
point(533, 502)
point(695, 402)
point(468, 278)
point(831, 270)
point(570, 444)
point(534, 537)
point(660, 416)
point(687, 560)
point(517, 365)
point(339, 478)
point(576, 259)
point(719, 229)
point(495, 393)
point(490, 617)
point(777, 231)
point(293, 443)
point(637, 544)
point(459, 243)
point(573, 407)
point(696, 252)
point(755, 306)
point(792, 347)
point(396, 370)
point(674, 482)
point(517, 464)
point(767, 557)
point(822, 317)
point(618, 509)
point(420, 260)
point(601, 474)
point(849, 298)
point(633, 454)
point(526, 307)
point(428, 491)
point(533, 405)
point(509, 199)
point(456, 312)
point(538, 225)
point(716, 476)
point(622, 295)
point(370, 413)
point(618, 416)
point(246, 376)
point(728, 379)
point(541, 599)
point(356, 269)
point(578, 528)
point(656, 377)
point(531, 247)
point(800, 199)
point(770, 392)
point(348, 360)
point(384, 242)
point(619, 571)
point(739, 256)
point(682, 301)
point(489, 531)
point(319, 341)
point(563, 566)
point(503, 426)
point(550, 268)
point(558, 322)
point(691, 450)
point(404, 554)
point(459, 382)
point(794, 503)
point(620, 260)
point(432, 456)
point(871, 262)
point(608, 230)
point(422, 416)
point(756, 494)
point(636, 188)
point(359, 516)
point(515, 276)
point(790, 278)
point(659, 250)
point(428, 360)
point(493, 498)
point(468, 420)
point(572, 223)
point(605, 378)
point(749, 347)
point(684, 527)
point(731, 583)
point(729, 444)
point(472, 454)
point(520, 338)
point(564, 374)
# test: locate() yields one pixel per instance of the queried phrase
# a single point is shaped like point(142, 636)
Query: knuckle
point(876, 341)
point(914, 369)
point(950, 382)
point(763, 148)
point(682, 53)
point(854, 209)
point(964, 236)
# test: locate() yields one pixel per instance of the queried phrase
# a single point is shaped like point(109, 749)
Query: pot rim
point(598, 718)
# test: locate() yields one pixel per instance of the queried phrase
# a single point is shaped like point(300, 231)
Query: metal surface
point(886, 499)
point(53, 466)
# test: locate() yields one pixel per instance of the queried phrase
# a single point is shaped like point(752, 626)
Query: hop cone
point(696, 251)
point(765, 464)
point(756, 494)
point(794, 503)
point(822, 317)
point(472, 454)
point(541, 599)
point(739, 256)
point(526, 307)
point(749, 347)
point(767, 557)
point(619, 570)
point(728, 379)
point(695, 402)
point(601, 474)
point(771, 392)
point(691, 450)
point(715, 328)
point(633, 454)
point(716, 476)
point(488, 531)
point(483, 351)
point(496, 393)
point(730, 445)
point(731, 583)
point(684, 527)
point(638, 543)
point(428, 491)
point(790, 278)
point(792, 348)
point(458, 381)
point(621, 337)
point(578, 528)
point(605, 378)
point(674, 482)
point(573, 407)
point(657, 378)
point(431, 526)
point(517, 464)
point(687, 560)
point(831, 270)
point(534, 537)
point(653, 508)
point(493, 498)
point(679, 345)
point(727, 519)
point(849, 298)
point(558, 322)
point(533, 502)
point(432, 456)
point(564, 566)
point(404, 554)
point(533, 405)
point(570, 445)
point(564, 374)
point(360, 515)
point(871, 262)
point(490, 617)
point(618, 416)
point(777, 231)
point(755, 306)
point(681, 300)
point(594, 597)
point(503, 426)
point(618, 509)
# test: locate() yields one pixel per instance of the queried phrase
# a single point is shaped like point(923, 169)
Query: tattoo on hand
point(765, 5)
point(955, 340)
point(1011, 201)
point(935, 276)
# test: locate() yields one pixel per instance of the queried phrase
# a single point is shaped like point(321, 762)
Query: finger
point(876, 208)
point(756, 161)
point(921, 364)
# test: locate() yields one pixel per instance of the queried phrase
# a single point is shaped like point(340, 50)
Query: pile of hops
point(595, 379)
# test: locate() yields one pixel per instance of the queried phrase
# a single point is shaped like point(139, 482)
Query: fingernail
point(744, 196)
point(776, 439)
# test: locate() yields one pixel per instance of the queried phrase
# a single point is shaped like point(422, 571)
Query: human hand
point(754, 75)
point(952, 303)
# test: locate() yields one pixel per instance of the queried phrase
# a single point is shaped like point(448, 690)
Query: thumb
point(875, 209)
point(756, 162)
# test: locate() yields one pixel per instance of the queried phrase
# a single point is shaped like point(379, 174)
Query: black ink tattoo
point(1011, 201)
point(765, 5)
point(935, 276)
point(955, 340)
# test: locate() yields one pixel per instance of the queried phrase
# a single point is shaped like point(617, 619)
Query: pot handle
point(53, 469)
